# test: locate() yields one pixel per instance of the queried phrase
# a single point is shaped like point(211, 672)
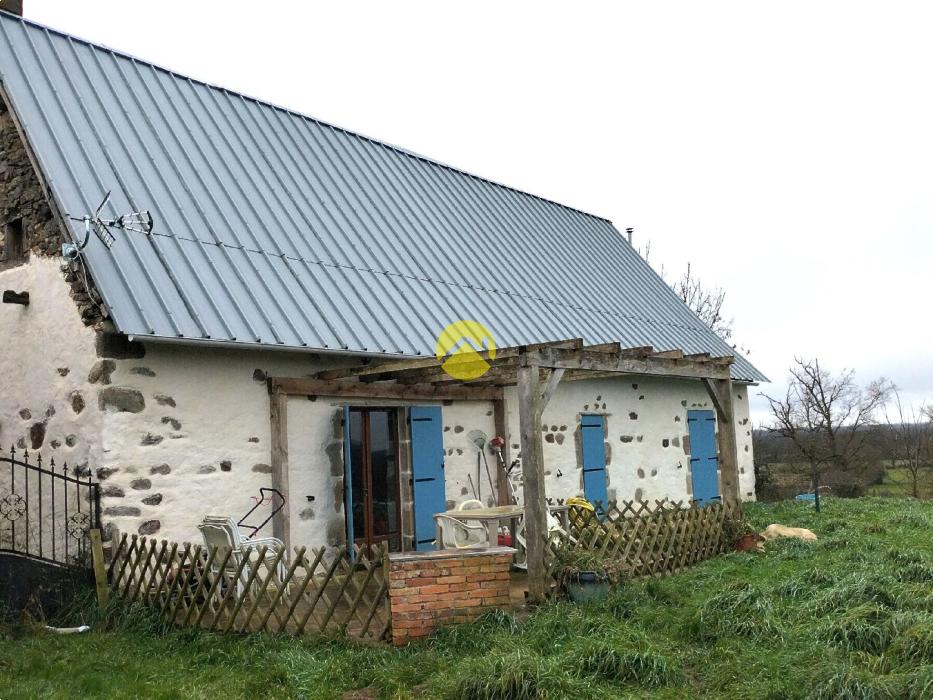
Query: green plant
point(734, 529)
point(571, 562)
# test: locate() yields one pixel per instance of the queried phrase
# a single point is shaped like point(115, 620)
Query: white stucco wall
point(641, 413)
point(185, 431)
point(46, 353)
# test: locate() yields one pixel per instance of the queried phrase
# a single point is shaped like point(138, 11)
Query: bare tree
point(825, 417)
point(706, 302)
point(910, 434)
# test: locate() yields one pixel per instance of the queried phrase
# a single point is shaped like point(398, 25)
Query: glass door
point(375, 478)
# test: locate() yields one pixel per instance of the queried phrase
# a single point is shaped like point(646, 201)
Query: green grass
point(849, 616)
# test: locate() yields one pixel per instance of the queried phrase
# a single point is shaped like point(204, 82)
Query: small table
point(492, 518)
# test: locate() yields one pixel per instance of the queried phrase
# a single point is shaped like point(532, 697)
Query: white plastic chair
point(554, 529)
point(222, 531)
point(471, 504)
point(461, 534)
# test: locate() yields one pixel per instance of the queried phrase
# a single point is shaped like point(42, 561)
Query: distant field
point(897, 483)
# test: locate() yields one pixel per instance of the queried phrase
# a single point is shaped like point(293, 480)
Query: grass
point(849, 616)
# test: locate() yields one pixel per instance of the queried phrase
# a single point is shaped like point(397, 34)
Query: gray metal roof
point(275, 229)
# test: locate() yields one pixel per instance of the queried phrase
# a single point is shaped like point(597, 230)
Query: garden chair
point(555, 531)
point(222, 531)
point(462, 534)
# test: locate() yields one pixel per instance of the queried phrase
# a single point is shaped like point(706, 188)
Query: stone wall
point(22, 198)
point(429, 589)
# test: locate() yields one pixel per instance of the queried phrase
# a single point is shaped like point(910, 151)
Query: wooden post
point(529, 401)
point(100, 571)
point(550, 388)
point(501, 420)
point(720, 391)
point(279, 422)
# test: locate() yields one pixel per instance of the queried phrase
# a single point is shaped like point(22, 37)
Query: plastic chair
point(554, 530)
point(471, 504)
point(461, 534)
point(222, 531)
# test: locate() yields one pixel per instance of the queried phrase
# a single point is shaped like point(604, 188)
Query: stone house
point(283, 247)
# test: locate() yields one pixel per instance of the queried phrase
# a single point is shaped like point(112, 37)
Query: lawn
point(849, 616)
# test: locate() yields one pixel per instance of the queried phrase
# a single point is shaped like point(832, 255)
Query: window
point(15, 241)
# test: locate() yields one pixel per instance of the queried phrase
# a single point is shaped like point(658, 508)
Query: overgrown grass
point(849, 616)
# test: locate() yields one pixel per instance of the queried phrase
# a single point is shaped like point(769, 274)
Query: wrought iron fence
point(47, 510)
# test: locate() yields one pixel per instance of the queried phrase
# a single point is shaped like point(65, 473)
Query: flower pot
point(746, 542)
point(587, 586)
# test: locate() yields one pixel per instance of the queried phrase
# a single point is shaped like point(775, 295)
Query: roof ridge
point(379, 142)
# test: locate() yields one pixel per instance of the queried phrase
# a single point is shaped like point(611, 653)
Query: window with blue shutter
point(704, 460)
point(427, 467)
point(592, 439)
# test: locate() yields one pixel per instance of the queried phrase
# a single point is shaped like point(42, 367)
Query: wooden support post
point(100, 571)
point(550, 387)
point(720, 391)
point(501, 420)
point(279, 422)
point(529, 411)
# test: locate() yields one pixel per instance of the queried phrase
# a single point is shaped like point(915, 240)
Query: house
point(283, 249)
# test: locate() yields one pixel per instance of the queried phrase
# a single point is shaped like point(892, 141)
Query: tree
point(826, 416)
point(910, 437)
point(705, 302)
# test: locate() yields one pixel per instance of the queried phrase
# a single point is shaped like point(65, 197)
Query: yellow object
point(580, 512)
point(459, 346)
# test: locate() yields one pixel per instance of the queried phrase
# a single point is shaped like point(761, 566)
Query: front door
point(704, 461)
point(372, 438)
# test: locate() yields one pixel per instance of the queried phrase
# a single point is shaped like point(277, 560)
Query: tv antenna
point(139, 221)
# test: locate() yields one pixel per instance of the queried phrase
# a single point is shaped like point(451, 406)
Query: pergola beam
point(713, 368)
point(553, 381)
point(401, 367)
point(323, 387)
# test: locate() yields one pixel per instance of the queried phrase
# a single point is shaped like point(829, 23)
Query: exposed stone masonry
point(22, 198)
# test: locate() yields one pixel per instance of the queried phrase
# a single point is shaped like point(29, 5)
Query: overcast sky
point(786, 149)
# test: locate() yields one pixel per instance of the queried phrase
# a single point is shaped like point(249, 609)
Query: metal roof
point(278, 230)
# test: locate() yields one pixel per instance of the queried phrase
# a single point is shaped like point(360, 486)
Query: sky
point(784, 149)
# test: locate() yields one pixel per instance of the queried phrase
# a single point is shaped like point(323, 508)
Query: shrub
point(570, 562)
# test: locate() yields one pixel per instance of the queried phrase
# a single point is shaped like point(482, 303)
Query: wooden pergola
point(536, 370)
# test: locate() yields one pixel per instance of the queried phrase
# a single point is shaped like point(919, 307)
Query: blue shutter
point(348, 479)
point(592, 438)
point(427, 467)
point(704, 461)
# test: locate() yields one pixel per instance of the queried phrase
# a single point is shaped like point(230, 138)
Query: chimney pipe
point(14, 7)
point(630, 231)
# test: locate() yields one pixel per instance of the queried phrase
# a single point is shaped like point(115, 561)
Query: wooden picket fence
point(326, 590)
point(650, 539)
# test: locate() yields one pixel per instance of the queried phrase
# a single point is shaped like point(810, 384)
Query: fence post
point(100, 571)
